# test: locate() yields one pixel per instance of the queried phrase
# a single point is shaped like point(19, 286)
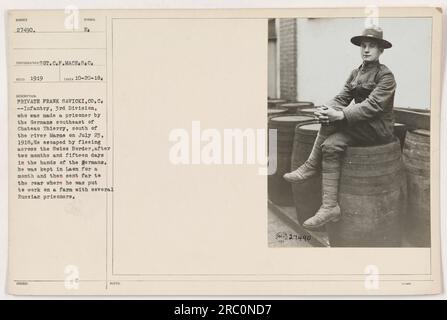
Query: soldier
point(367, 121)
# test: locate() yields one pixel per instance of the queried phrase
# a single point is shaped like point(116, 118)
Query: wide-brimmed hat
point(372, 33)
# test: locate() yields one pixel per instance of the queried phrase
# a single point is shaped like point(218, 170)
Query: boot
point(329, 210)
point(312, 165)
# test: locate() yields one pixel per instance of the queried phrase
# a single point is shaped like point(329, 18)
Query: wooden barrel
point(276, 112)
point(279, 190)
point(371, 196)
point(306, 195)
point(275, 103)
point(295, 107)
point(416, 158)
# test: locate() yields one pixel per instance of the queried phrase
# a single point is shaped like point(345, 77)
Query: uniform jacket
point(372, 87)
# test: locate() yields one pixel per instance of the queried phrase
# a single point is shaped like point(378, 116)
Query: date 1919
point(36, 78)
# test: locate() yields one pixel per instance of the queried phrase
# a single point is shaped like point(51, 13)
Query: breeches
point(340, 136)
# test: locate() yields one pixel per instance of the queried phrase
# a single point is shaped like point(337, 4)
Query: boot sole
point(336, 219)
point(296, 181)
point(299, 181)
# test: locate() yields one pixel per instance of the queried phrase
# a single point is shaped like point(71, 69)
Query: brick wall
point(288, 58)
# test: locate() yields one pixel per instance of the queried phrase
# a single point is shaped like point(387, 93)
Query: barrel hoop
point(381, 185)
point(386, 148)
point(416, 156)
point(386, 168)
point(410, 140)
point(375, 159)
point(416, 148)
point(289, 120)
point(418, 151)
point(416, 163)
point(418, 171)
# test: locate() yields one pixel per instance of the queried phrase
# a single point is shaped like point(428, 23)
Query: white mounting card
point(138, 152)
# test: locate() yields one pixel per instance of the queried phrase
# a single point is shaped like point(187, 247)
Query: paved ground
point(281, 235)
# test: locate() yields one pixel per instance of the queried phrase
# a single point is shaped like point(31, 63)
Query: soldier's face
point(370, 51)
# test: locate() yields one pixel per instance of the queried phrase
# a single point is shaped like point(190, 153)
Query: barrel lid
point(310, 110)
point(276, 100)
point(270, 111)
point(298, 104)
point(422, 132)
point(309, 127)
point(292, 118)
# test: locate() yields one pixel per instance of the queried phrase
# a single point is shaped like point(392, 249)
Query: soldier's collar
point(369, 65)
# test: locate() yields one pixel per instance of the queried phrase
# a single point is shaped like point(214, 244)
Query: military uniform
point(369, 120)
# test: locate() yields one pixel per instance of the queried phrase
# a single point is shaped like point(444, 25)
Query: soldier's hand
point(327, 115)
point(321, 114)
